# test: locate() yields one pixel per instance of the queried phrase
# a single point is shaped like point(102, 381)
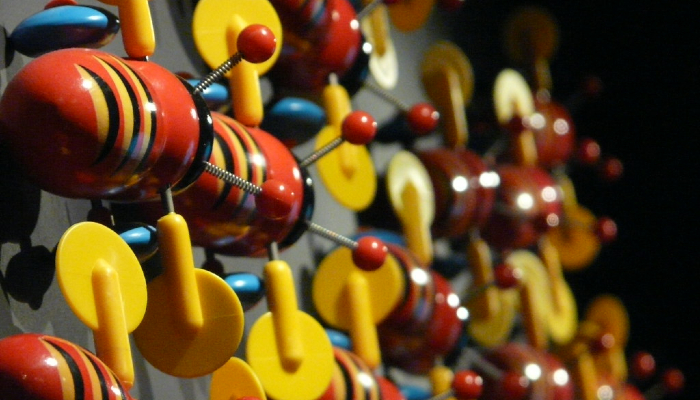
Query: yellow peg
point(194, 320)
point(383, 61)
point(282, 302)
point(411, 195)
point(512, 98)
point(563, 315)
point(363, 332)
point(288, 349)
point(535, 299)
point(610, 316)
point(136, 26)
point(493, 312)
point(176, 252)
point(355, 300)
point(448, 80)
point(111, 341)
point(531, 38)
point(95, 268)
point(336, 103)
point(244, 82)
point(441, 379)
point(348, 171)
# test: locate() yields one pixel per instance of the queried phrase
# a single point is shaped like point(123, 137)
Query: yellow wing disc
point(78, 251)
point(211, 20)
point(235, 380)
point(386, 286)
point(313, 375)
point(409, 15)
point(187, 355)
point(351, 180)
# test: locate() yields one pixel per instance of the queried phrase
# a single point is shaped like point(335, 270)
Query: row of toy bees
point(175, 319)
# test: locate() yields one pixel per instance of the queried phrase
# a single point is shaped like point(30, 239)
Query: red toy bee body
point(41, 367)
point(108, 128)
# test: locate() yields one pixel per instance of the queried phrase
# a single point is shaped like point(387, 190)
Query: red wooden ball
point(673, 380)
point(369, 254)
point(643, 365)
point(506, 276)
point(422, 118)
point(515, 386)
point(467, 385)
point(359, 128)
point(606, 229)
point(257, 43)
point(276, 200)
point(611, 169)
point(588, 151)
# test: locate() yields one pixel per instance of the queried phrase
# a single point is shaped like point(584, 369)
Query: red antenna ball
point(257, 43)
point(370, 253)
point(275, 201)
point(422, 118)
point(359, 127)
point(506, 276)
point(467, 385)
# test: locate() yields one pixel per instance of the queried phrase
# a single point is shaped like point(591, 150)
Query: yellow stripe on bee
point(125, 101)
point(99, 105)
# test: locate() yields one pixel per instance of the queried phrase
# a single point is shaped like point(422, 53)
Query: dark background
point(647, 56)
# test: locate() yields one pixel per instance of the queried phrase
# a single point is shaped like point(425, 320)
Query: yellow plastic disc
point(78, 251)
point(409, 15)
point(313, 375)
point(575, 238)
point(611, 316)
point(446, 55)
point(234, 380)
point(328, 290)
point(496, 330)
point(352, 181)
point(512, 96)
point(211, 20)
point(530, 33)
point(163, 344)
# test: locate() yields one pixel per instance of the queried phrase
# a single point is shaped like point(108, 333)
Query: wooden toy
point(102, 282)
point(36, 366)
point(64, 26)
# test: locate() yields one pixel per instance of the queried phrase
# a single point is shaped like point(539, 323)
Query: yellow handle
point(441, 379)
point(418, 238)
point(336, 103)
point(486, 305)
point(586, 377)
point(246, 97)
point(550, 258)
point(137, 27)
point(533, 320)
point(542, 72)
point(525, 148)
point(363, 332)
point(282, 302)
point(111, 336)
point(378, 20)
point(451, 105)
point(178, 263)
